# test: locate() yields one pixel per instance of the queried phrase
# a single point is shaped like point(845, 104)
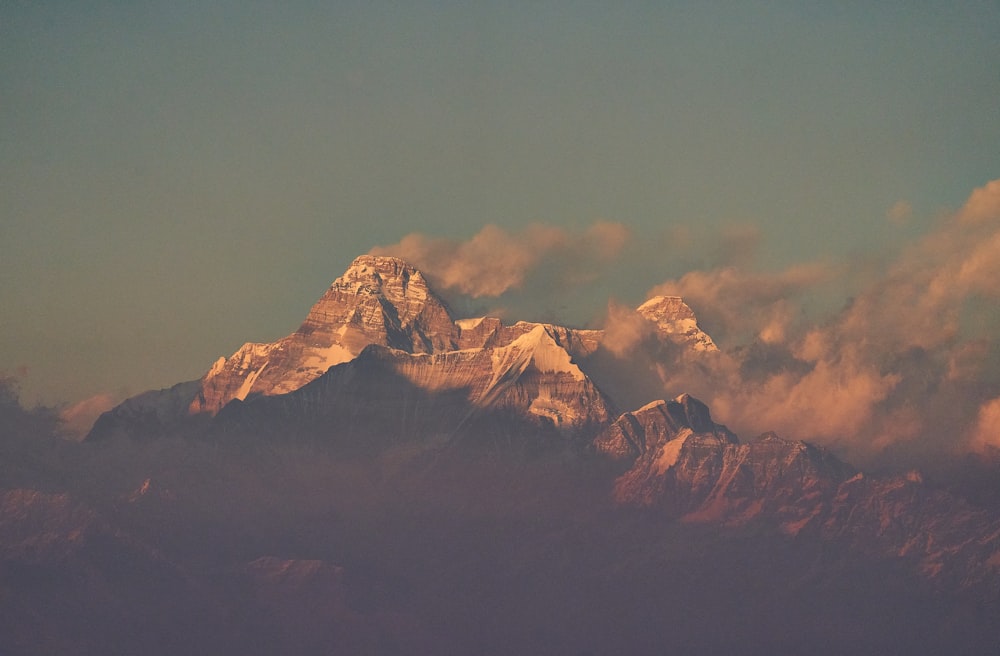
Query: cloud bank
point(908, 368)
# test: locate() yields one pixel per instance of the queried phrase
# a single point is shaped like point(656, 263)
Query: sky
point(177, 178)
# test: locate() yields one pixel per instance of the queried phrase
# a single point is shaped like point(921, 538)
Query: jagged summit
point(674, 318)
point(378, 300)
point(634, 434)
point(381, 300)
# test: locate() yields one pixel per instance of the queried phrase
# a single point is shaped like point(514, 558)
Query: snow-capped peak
point(545, 354)
point(674, 318)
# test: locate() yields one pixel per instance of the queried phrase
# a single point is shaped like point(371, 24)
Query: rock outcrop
point(675, 320)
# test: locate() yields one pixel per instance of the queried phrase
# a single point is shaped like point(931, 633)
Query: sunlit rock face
point(385, 301)
point(687, 467)
point(675, 321)
point(685, 463)
point(378, 300)
point(645, 431)
point(527, 388)
point(953, 543)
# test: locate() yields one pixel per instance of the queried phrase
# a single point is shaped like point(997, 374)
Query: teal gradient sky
point(177, 178)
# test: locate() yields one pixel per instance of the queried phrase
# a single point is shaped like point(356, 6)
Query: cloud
point(494, 261)
point(986, 431)
point(731, 300)
point(79, 418)
point(982, 205)
point(625, 329)
point(910, 364)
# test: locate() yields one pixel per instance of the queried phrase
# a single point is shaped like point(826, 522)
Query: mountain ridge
point(402, 370)
point(382, 301)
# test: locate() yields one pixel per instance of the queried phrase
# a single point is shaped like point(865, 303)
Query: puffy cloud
point(605, 239)
point(494, 261)
point(983, 204)
point(912, 361)
point(625, 329)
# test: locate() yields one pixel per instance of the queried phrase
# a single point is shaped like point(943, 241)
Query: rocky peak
point(378, 300)
point(400, 283)
point(692, 413)
point(665, 308)
point(674, 318)
point(636, 434)
point(381, 300)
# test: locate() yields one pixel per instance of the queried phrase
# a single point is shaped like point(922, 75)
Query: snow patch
point(671, 451)
point(559, 412)
point(217, 368)
point(546, 354)
point(248, 382)
point(650, 406)
point(660, 300)
point(469, 324)
point(324, 358)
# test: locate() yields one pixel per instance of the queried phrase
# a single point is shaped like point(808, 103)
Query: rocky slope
point(687, 467)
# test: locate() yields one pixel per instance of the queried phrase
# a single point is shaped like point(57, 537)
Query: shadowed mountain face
point(388, 479)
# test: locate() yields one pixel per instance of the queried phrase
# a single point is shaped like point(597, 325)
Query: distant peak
point(660, 307)
point(674, 317)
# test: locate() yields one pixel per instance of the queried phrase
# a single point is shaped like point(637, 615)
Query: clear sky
point(179, 177)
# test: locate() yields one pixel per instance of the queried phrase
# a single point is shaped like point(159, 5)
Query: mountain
point(462, 367)
point(390, 479)
point(380, 362)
